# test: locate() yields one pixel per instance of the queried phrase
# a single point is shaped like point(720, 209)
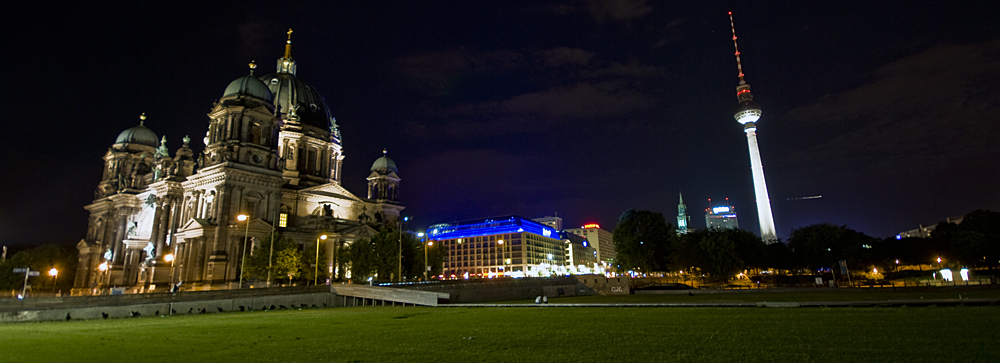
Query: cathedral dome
point(384, 164)
point(248, 86)
point(138, 134)
point(291, 94)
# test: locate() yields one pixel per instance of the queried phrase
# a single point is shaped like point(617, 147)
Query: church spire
point(286, 64)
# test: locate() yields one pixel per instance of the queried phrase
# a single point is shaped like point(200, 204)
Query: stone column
point(121, 219)
point(164, 223)
point(157, 213)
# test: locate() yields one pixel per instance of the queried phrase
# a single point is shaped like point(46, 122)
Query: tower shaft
point(767, 232)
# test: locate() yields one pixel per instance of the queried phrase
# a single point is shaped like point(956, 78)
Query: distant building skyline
point(721, 217)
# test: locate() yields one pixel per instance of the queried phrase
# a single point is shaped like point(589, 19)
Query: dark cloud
point(618, 10)
point(565, 56)
point(920, 114)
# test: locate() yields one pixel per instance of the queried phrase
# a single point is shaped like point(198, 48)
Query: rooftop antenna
point(739, 66)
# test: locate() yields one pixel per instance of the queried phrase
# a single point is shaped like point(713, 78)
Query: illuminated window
point(283, 220)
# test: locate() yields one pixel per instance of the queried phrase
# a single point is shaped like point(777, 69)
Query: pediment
point(195, 223)
point(358, 231)
point(331, 190)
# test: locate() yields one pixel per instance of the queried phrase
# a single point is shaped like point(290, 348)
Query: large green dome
point(138, 134)
point(248, 86)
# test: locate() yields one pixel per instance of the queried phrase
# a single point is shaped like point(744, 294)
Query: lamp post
point(246, 233)
point(53, 272)
point(503, 263)
point(316, 272)
point(426, 266)
point(399, 278)
point(170, 258)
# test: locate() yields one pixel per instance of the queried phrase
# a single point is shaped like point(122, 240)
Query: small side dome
point(138, 134)
point(248, 86)
point(384, 164)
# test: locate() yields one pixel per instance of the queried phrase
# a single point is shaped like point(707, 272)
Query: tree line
point(376, 257)
point(645, 242)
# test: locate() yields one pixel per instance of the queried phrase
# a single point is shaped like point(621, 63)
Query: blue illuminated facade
point(508, 245)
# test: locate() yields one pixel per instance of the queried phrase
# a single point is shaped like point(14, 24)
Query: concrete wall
point(528, 288)
point(311, 300)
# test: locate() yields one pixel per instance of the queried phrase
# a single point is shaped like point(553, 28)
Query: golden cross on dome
point(288, 45)
point(252, 67)
point(142, 118)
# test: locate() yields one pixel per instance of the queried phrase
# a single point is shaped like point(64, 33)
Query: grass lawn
point(416, 334)
point(776, 295)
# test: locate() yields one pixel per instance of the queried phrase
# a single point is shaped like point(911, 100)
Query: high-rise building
point(721, 217)
point(509, 245)
point(271, 161)
point(551, 221)
point(599, 238)
point(683, 220)
point(581, 256)
point(747, 114)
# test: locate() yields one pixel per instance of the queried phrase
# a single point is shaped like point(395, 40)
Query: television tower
point(747, 113)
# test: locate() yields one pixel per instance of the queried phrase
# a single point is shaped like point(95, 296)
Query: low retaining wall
point(209, 302)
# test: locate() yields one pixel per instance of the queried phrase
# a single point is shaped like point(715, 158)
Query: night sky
point(582, 108)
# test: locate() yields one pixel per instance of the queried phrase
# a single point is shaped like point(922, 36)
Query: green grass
point(731, 296)
point(412, 334)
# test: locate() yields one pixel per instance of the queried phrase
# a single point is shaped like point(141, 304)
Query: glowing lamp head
point(322, 237)
point(53, 272)
point(430, 243)
point(103, 266)
point(241, 217)
point(169, 257)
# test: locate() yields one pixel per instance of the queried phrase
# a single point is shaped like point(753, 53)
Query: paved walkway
point(774, 304)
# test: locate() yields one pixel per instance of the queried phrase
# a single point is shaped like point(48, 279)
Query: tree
point(309, 267)
point(377, 257)
point(823, 245)
point(42, 259)
point(712, 251)
point(976, 241)
point(257, 264)
point(643, 241)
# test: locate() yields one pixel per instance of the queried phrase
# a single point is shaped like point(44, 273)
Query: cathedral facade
point(271, 163)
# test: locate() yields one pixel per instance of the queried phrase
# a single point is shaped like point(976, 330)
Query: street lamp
point(426, 266)
point(503, 252)
point(243, 262)
point(53, 272)
point(399, 278)
point(316, 272)
point(170, 258)
point(939, 262)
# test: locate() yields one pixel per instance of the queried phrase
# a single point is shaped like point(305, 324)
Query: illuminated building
point(272, 153)
point(509, 245)
point(581, 256)
point(721, 217)
point(554, 222)
point(600, 239)
point(747, 114)
point(925, 231)
point(683, 220)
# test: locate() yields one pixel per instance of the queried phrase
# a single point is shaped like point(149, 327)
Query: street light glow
point(169, 257)
point(241, 217)
point(53, 272)
point(322, 237)
point(103, 266)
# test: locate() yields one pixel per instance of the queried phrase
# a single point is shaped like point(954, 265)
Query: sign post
point(27, 272)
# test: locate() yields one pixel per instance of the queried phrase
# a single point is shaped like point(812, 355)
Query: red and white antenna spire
point(738, 65)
